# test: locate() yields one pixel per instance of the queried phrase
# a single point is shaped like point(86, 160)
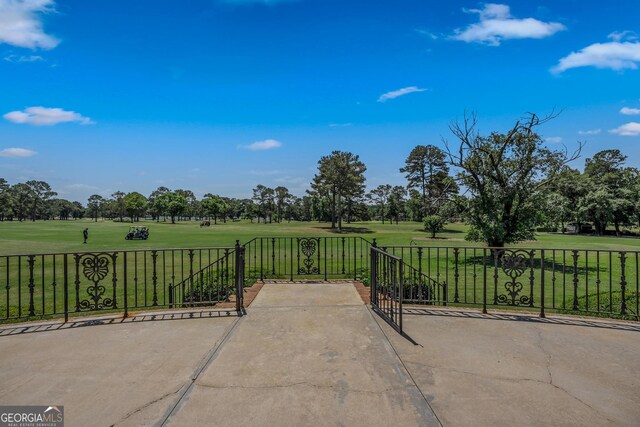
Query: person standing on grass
point(85, 234)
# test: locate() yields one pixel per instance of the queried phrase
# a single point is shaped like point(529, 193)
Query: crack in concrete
point(303, 383)
point(489, 377)
point(146, 405)
point(516, 380)
point(546, 353)
point(548, 364)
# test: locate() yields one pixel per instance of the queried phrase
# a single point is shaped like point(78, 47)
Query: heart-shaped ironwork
point(95, 268)
point(308, 247)
point(515, 264)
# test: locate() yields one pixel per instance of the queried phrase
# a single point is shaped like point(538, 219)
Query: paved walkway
point(314, 354)
point(306, 355)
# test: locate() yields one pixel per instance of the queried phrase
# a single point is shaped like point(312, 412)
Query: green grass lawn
point(66, 236)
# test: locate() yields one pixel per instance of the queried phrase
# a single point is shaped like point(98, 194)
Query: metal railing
point(577, 281)
point(214, 283)
point(387, 287)
point(64, 284)
point(307, 257)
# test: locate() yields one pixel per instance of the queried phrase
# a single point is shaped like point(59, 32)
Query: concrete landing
point(314, 354)
point(113, 374)
point(502, 370)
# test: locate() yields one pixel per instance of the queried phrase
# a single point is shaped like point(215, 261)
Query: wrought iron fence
point(600, 282)
point(48, 285)
point(307, 257)
point(595, 282)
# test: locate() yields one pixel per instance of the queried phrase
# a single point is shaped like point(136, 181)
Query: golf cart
point(137, 232)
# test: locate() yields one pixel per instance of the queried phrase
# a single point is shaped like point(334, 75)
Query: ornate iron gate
point(307, 257)
point(387, 287)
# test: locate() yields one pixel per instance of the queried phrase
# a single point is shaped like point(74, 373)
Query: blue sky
point(219, 96)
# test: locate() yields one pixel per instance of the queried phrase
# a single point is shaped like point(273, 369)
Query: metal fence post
point(623, 284)
point(66, 289)
point(239, 277)
point(373, 276)
point(542, 283)
point(456, 275)
point(124, 284)
point(484, 281)
point(401, 293)
point(32, 285)
point(445, 296)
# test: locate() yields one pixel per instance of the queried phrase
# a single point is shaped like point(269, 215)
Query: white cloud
point(42, 116)
point(21, 24)
point(554, 139)
point(629, 111)
point(618, 36)
point(428, 34)
point(629, 129)
point(590, 132)
point(400, 92)
point(17, 152)
point(339, 125)
point(616, 55)
point(23, 58)
point(267, 144)
point(497, 24)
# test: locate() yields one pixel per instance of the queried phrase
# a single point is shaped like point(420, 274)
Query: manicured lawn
point(66, 236)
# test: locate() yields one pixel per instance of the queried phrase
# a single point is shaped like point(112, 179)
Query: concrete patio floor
point(314, 354)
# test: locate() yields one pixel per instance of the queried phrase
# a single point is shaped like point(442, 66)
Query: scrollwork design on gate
point(95, 268)
point(308, 247)
point(514, 264)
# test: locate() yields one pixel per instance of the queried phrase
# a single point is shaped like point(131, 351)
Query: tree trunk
point(495, 243)
point(339, 214)
point(333, 210)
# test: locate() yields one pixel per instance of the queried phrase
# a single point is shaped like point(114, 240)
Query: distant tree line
point(33, 200)
point(504, 185)
point(606, 193)
point(336, 195)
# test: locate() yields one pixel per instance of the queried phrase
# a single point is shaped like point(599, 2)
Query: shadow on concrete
point(524, 318)
point(395, 327)
point(136, 318)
